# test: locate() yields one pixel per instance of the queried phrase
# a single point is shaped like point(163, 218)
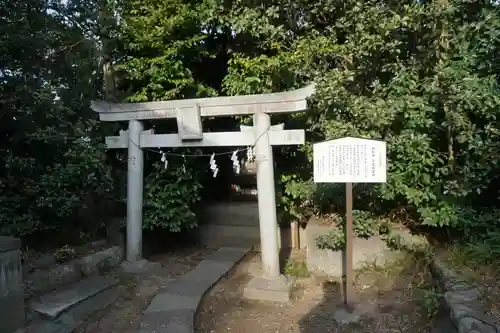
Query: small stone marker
point(350, 160)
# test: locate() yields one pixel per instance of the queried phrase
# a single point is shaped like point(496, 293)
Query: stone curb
point(173, 308)
point(461, 299)
point(43, 281)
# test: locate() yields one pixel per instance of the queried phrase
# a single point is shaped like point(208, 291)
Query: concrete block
point(12, 315)
point(47, 279)
point(69, 321)
point(272, 290)
point(103, 299)
point(331, 263)
point(138, 267)
point(98, 261)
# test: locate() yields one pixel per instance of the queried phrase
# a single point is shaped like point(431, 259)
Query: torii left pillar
point(272, 285)
point(134, 262)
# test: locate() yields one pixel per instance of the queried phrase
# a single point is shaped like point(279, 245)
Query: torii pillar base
point(269, 289)
point(139, 266)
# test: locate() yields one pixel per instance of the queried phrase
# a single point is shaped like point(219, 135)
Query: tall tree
point(50, 160)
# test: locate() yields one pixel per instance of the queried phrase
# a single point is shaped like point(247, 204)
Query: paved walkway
point(174, 307)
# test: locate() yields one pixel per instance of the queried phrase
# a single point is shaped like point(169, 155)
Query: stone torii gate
point(188, 114)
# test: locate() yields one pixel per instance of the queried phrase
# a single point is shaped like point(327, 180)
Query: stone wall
point(12, 316)
point(462, 300)
point(331, 263)
point(234, 223)
point(231, 213)
point(47, 277)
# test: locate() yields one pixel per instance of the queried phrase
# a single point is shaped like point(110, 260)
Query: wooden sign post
point(350, 160)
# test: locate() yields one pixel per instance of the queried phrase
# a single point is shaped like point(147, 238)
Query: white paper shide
point(350, 160)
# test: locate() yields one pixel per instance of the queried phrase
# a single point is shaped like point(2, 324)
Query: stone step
point(215, 236)
point(232, 213)
point(235, 242)
point(68, 321)
point(227, 235)
point(212, 230)
point(234, 220)
point(54, 303)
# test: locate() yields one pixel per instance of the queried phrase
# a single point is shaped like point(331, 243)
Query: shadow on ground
point(395, 299)
point(398, 298)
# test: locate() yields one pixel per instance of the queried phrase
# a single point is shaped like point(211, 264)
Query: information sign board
point(350, 160)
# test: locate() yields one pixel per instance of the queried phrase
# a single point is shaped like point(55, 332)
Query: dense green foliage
point(171, 195)
point(421, 75)
point(52, 162)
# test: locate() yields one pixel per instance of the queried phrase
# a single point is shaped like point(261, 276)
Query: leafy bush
point(170, 196)
point(364, 223)
point(40, 194)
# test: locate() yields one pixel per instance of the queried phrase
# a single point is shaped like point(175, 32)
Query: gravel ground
point(487, 280)
point(389, 298)
point(491, 290)
point(135, 293)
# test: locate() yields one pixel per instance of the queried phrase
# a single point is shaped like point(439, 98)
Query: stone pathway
point(166, 299)
point(135, 292)
point(173, 309)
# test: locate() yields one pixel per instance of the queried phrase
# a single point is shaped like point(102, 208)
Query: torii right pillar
point(271, 286)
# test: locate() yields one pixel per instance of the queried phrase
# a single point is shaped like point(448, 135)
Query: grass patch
point(296, 267)
point(410, 275)
point(429, 299)
point(474, 255)
point(475, 263)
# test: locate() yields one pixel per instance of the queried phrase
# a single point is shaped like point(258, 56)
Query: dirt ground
point(124, 316)
point(489, 285)
point(394, 299)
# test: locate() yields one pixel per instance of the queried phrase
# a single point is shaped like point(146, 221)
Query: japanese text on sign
point(350, 160)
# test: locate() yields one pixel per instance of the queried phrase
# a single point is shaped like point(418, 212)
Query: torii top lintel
point(282, 102)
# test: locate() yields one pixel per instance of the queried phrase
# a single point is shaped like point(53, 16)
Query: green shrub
point(364, 223)
point(171, 195)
